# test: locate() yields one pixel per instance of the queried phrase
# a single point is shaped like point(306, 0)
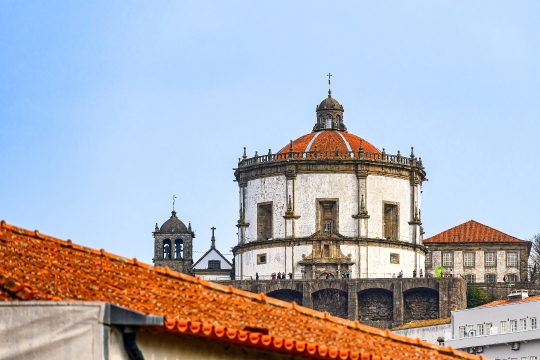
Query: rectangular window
point(470, 331)
point(511, 259)
point(522, 324)
point(488, 328)
point(490, 259)
point(469, 278)
point(533, 323)
point(468, 259)
point(328, 213)
point(461, 332)
point(447, 259)
point(264, 221)
point(532, 358)
point(491, 278)
point(503, 327)
point(511, 277)
point(214, 264)
point(391, 221)
point(428, 259)
point(513, 326)
point(480, 329)
point(261, 259)
point(394, 258)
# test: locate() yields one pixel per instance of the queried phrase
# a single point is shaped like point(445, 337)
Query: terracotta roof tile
point(39, 267)
point(328, 140)
point(415, 324)
point(506, 301)
point(472, 232)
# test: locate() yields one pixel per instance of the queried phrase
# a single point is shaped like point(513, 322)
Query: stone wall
point(382, 303)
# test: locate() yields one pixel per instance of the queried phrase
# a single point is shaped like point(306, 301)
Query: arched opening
point(287, 295)
point(178, 248)
point(421, 304)
point(328, 121)
point(321, 122)
point(166, 249)
point(334, 301)
point(325, 275)
point(375, 305)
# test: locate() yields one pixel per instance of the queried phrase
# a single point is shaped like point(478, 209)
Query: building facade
point(213, 265)
point(329, 203)
point(479, 253)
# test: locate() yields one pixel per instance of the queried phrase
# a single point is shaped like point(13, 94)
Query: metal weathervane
point(173, 201)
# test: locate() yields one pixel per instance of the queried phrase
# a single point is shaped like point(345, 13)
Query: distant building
point(503, 329)
point(213, 265)
point(479, 253)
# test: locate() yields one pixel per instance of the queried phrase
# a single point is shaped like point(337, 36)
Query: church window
point(214, 264)
point(511, 259)
point(394, 258)
point(447, 259)
point(469, 278)
point(328, 121)
point(391, 221)
point(261, 259)
point(264, 221)
point(178, 248)
point(491, 278)
point(468, 259)
point(328, 213)
point(166, 249)
point(326, 251)
point(490, 259)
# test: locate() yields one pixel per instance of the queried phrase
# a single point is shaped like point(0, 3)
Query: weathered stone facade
point(173, 245)
point(382, 303)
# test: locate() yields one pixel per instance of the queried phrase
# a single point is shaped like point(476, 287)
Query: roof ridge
point(477, 223)
point(25, 292)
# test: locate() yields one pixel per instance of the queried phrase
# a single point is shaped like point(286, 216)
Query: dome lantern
point(329, 114)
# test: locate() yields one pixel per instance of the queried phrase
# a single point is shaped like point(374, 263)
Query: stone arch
point(334, 301)
point(178, 248)
point(375, 305)
point(287, 295)
point(166, 249)
point(420, 304)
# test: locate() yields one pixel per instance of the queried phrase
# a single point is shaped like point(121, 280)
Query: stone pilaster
point(398, 303)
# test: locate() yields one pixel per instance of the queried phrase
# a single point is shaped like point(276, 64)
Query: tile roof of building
point(421, 323)
point(506, 301)
point(329, 140)
point(39, 267)
point(472, 232)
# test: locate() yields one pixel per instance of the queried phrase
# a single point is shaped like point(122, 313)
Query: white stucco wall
point(264, 190)
point(428, 333)
point(212, 255)
point(380, 189)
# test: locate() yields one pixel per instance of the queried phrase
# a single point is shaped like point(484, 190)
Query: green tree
point(476, 297)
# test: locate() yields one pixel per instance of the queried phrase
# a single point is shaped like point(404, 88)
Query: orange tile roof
point(328, 140)
point(506, 301)
point(420, 323)
point(39, 267)
point(472, 232)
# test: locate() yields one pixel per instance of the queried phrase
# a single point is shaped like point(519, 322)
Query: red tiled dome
point(327, 140)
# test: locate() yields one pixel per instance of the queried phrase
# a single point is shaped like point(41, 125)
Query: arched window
point(166, 249)
point(178, 248)
point(328, 121)
point(321, 121)
point(338, 120)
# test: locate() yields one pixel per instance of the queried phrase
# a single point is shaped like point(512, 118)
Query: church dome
point(328, 140)
point(173, 225)
point(329, 103)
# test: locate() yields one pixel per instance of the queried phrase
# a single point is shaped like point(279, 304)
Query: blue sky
point(107, 109)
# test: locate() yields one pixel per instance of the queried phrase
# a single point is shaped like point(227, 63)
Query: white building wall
point(212, 255)
point(428, 333)
point(264, 190)
point(310, 187)
point(380, 189)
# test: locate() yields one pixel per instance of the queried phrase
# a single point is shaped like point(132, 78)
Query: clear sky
point(109, 108)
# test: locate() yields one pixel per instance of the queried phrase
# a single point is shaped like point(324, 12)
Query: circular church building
point(329, 204)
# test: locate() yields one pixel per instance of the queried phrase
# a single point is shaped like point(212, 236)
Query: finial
point(398, 153)
point(361, 145)
point(289, 207)
point(329, 91)
point(173, 201)
point(290, 146)
point(213, 238)
point(256, 154)
point(157, 228)
point(362, 204)
point(412, 151)
point(269, 153)
point(244, 156)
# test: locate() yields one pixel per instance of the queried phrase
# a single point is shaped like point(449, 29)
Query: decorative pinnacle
point(412, 151)
point(244, 156)
point(290, 146)
point(362, 204)
point(157, 228)
point(361, 146)
point(213, 237)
